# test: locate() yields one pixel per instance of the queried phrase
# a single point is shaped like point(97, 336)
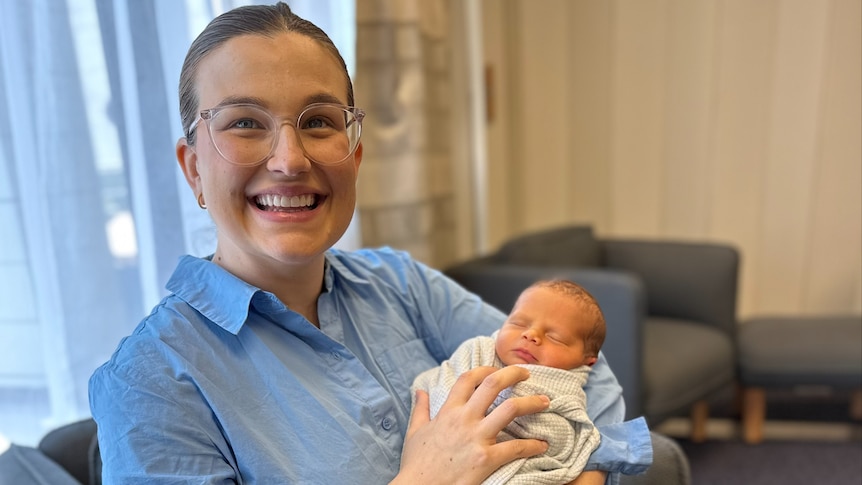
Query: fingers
point(476, 390)
point(421, 413)
point(493, 384)
point(510, 409)
point(521, 448)
point(466, 385)
point(460, 443)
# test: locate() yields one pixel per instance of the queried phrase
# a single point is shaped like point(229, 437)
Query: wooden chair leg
point(699, 417)
point(856, 405)
point(753, 414)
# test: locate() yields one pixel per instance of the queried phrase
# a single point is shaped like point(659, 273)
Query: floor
point(773, 430)
point(794, 415)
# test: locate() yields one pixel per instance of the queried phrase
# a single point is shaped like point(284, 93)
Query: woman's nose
point(288, 156)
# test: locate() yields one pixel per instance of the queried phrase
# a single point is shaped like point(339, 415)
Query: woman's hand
point(460, 444)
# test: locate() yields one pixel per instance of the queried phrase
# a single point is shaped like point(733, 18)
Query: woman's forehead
point(287, 68)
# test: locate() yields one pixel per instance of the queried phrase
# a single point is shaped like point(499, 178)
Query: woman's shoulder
point(170, 326)
point(383, 262)
point(371, 257)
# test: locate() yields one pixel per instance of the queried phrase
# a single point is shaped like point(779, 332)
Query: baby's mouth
point(284, 203)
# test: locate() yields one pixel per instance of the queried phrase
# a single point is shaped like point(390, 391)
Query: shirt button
point(336, 355)
point(386, 423)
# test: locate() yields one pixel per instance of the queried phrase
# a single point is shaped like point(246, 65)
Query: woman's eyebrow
point(241, 100)
point(323, 98)
point(315, 98)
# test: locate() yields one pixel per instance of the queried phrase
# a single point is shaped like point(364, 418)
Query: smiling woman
point(93, 211)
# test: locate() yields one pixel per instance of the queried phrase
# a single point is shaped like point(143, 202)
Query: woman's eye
point(245, 123)
point(316, 123)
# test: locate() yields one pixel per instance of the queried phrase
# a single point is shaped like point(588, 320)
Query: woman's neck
point(297, 285)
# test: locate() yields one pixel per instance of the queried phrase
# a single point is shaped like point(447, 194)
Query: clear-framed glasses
point(247, 134)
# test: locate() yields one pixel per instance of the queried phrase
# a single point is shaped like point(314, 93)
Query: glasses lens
point(243, 134)
point(246, 134)
point(328, 133)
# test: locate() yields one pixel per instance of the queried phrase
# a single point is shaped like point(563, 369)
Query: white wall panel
point(544, 175)
point(689, 114)
point(833, 279)
point(791, 145)
point(723, 120)
point(637, 136)
point(589, 111)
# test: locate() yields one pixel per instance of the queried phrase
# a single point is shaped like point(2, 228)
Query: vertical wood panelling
point(638, 116)
point(833, 277)
point(690, 77)
point(589, 59)
point(796, 92)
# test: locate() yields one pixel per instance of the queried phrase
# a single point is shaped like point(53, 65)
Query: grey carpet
point(774, 462)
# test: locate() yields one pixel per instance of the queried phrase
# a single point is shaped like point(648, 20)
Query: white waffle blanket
point(566, 427)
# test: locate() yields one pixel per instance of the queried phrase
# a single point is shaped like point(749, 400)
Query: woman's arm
point(594, 477)
point(145, 431)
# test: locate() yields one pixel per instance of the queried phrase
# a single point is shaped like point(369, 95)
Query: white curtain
point(93, 210)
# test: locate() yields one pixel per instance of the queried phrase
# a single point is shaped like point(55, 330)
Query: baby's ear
point(591, 360)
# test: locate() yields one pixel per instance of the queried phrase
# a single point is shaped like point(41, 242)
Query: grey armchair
point(670, 308)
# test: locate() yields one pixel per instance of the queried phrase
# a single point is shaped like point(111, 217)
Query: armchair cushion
point(691, 281)
point(669, 386)
point(570, 246)
point(72, 446)
point(21, 465)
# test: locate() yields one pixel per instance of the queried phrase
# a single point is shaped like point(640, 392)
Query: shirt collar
point(211, 290)
point(222, 297)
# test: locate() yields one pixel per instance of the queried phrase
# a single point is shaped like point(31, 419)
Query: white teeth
point(272, 200)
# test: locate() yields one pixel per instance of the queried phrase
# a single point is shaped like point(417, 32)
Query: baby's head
point(555, 323)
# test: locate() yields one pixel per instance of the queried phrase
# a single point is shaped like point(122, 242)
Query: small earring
point(201, 202)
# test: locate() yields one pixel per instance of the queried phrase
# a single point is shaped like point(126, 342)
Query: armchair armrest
point(691, 281)
point(620, 295)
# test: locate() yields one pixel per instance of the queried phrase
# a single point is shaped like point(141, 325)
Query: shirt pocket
point(401, 364)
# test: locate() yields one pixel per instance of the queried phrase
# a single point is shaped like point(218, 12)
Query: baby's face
point(544, 328)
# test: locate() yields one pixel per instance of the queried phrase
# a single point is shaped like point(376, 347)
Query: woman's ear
point(357, 156)
point(188, 160)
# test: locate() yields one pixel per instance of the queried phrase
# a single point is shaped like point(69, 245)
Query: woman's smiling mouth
point(285, 203)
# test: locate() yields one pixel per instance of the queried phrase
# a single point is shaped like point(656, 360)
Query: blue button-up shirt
point(222, 383)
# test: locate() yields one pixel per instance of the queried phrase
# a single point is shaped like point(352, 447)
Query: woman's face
point(283, 74)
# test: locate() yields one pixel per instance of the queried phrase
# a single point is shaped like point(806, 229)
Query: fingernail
point(545, 400)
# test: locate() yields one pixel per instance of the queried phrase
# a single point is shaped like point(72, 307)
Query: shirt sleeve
point(625, 448)
point(147, 431)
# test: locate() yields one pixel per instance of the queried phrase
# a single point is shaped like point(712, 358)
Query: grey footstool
point(785, 352)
